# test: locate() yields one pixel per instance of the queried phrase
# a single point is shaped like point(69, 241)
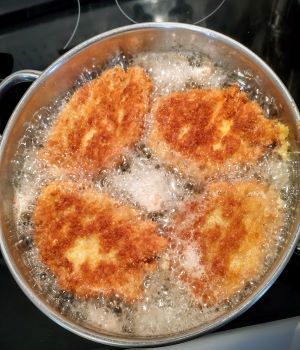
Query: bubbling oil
point(143, 182)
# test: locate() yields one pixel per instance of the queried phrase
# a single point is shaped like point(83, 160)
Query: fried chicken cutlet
point(223, 238)
point(92, 244)
point(203, 131)
point(103, 118)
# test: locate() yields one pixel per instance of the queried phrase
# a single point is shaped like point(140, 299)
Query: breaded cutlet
point(203, 132)
point(93, 245)
point(223, 238)
point(102, 119)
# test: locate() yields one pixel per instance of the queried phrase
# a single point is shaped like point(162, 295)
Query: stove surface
point(33, 33)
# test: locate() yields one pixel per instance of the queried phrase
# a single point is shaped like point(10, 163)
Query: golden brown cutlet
point(230, 229)
point(102, 119)
point(93, 245)
point(202, 132)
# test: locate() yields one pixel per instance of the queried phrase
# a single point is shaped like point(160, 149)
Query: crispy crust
point(101, 120)
point(203, 132)
point(92, 244)
point(232, 228)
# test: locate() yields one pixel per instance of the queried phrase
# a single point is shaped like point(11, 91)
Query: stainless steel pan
point(59, 78)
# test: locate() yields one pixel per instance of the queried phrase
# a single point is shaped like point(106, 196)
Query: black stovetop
point(33, 33)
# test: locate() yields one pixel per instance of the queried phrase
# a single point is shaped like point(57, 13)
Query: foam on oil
point(143, 182)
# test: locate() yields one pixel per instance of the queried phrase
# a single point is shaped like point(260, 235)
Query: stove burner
point(169, 10)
